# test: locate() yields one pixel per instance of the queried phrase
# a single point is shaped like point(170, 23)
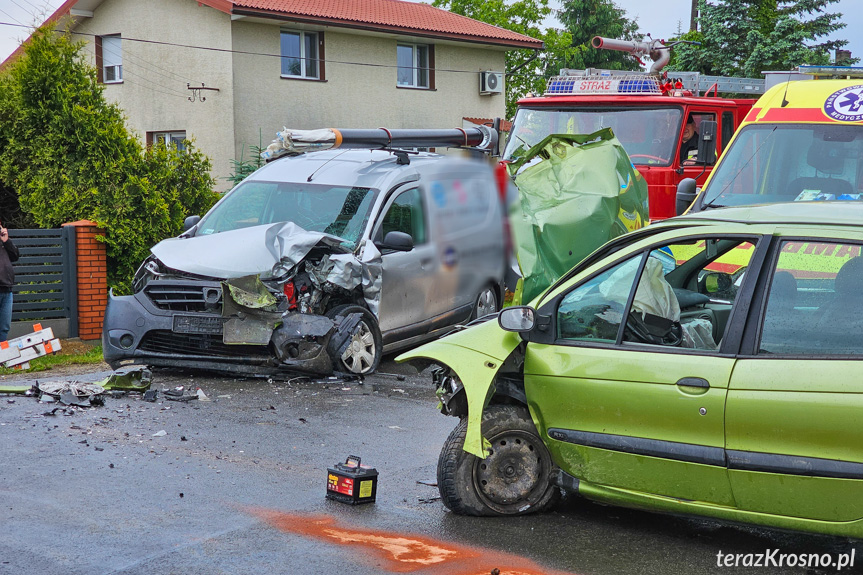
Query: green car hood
point(475, 355)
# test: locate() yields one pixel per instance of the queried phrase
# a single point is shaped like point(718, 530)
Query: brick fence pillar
point(92, 278)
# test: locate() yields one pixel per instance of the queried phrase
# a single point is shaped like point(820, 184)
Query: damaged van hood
point(247, 251)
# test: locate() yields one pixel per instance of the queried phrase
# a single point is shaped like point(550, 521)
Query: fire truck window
point(727, 130)
point(649, 135)
point(689, 137)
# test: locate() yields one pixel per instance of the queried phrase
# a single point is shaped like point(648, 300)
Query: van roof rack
point(293, 142)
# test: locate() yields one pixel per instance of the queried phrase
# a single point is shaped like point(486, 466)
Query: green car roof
point(829, 213)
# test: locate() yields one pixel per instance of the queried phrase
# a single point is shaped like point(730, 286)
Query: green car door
point(794, 431)
point(625, 405)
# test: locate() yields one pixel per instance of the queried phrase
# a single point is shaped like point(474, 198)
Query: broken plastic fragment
point(128, 379)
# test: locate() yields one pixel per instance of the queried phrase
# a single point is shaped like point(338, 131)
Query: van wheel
point(486, 303)
point(365, 348)
point(514, 479)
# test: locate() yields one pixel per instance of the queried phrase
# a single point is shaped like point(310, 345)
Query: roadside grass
point(70, 354)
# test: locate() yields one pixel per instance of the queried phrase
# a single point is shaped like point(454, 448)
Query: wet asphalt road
point(236, 485)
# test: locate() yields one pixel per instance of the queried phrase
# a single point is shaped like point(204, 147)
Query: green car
point(708, 365)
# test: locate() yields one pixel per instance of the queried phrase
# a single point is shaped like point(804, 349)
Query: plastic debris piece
point(72, 393)
point(203, 396)
point(128, 379)
point(161, 433)
point(183, 398)
point(150, 395)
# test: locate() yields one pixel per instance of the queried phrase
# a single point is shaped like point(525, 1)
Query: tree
point(66, 155)
point(746, 37)
point(524, 17)
point(585, 19)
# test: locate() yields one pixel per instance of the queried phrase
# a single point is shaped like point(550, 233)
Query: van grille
point(167, 342)
point(178, 295)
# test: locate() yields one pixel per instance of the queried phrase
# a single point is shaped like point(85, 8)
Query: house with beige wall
point(229, 74)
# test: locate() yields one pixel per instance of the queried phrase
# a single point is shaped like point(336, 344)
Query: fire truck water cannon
point(291, 142)
point(656, 50)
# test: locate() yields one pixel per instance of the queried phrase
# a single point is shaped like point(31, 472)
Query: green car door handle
point(693, 382)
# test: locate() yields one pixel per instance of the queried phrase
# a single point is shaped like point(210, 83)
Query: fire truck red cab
point(649, 123)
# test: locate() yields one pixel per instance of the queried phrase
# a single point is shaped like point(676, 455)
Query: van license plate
point(197, 324)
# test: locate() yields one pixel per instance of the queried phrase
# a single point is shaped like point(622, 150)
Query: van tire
point(366, 348)
point(514, 479)
point(486, 303)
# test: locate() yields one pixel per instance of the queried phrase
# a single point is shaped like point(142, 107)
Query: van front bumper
point(139, 330)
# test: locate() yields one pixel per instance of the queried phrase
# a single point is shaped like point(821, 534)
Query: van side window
point(406, 214)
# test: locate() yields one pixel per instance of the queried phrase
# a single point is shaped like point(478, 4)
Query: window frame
point(726, 131)
point(730, 342)
point(416, 66)
point(753, 329)
point(701, 115)
point(165, 136)
point(303, 58)
point(100, 59)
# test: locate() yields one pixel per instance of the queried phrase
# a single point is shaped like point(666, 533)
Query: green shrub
point(67, 155)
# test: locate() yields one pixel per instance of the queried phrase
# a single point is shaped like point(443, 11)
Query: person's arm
point(8, 245)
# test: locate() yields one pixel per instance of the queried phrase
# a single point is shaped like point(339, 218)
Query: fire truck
point(648, 112)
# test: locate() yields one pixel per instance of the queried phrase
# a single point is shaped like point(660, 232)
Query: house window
point(415, 66)
point(302, 55)
point(168, 138)
point(109, 58)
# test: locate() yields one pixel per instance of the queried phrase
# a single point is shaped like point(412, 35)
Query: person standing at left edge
point(8, 254)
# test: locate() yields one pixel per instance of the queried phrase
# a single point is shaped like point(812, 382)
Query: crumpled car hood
point(243, 252)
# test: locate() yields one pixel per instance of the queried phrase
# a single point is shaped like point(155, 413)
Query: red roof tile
point(391, 15)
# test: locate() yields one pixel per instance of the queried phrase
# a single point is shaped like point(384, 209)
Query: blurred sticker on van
point(845, 105)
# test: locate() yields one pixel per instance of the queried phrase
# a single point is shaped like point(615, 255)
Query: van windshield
point(649, 135)
point(769, 163)
point(342, 211)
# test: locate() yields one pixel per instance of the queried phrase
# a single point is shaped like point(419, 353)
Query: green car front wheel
point(515, 478)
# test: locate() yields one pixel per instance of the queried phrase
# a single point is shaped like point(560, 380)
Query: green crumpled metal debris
point(248, 291)
point(583, 192)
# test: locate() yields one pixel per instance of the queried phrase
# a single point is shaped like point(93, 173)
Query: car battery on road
point(351, 482)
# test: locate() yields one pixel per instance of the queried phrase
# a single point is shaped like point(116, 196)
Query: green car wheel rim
point(514, 472)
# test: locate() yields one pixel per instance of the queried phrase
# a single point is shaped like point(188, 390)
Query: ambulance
point(802, 141)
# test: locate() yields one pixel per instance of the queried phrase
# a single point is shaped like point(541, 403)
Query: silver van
point(318, 263)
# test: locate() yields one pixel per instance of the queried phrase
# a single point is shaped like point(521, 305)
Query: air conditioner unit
point(490, 83)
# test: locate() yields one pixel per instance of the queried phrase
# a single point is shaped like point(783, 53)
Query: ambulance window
point(727, 129)
point(814, 285)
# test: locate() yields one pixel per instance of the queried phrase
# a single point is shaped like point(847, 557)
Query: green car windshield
point(341, 211)
point(769, 163)
point(649, 135)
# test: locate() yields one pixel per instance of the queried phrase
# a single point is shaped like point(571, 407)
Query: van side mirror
point(707, 143)
point(190, 222)
point(686, 193)
point(397, 241)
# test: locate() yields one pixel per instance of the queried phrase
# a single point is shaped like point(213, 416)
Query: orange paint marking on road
point(403, 553)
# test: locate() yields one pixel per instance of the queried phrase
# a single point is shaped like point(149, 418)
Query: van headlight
point(149, 270)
